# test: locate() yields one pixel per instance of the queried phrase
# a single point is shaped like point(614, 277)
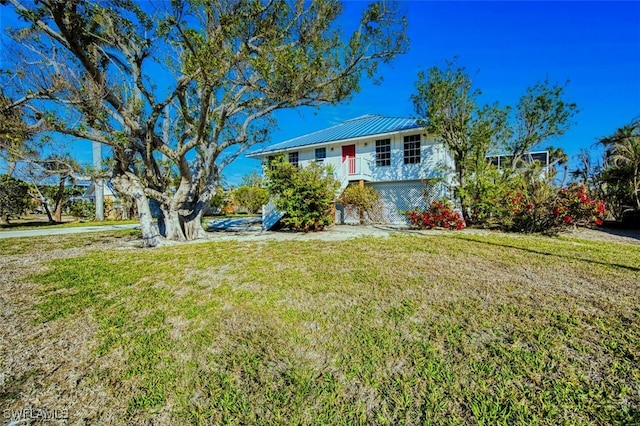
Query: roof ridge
point(363, 117)
point(368, 124)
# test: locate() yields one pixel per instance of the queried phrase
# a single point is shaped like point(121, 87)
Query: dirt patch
point(47, 366)
point(346, 232)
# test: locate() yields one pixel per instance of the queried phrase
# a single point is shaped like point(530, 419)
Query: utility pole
point(98, 182)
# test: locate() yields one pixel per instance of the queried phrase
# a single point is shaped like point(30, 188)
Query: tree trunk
point(172, 225)
point(57, 211)
point(148, 228)
point(183, 227)
point(128, 184)
point(463, 203)
point(11, 168)
point(45, 205)
point(193, 226)
point(636, 187)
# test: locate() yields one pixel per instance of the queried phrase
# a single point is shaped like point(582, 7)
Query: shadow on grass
point(235, 224)
point(621, 230)
point(30, 224)
point(546, 253)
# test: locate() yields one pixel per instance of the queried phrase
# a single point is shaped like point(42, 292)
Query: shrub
point(14, 197)
point(563, 208)
point(305, 194)
point(439, 215)
point(82, 209)
point(574, 206)
point(251, 198)
point(485, 194)
point(361, 200)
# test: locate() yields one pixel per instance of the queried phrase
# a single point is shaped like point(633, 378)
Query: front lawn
point(41, 222)
point(410, 329)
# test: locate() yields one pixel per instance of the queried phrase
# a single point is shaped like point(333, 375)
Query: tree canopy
point(623, 160)
point(446, 102)
point(185, 86)
point(14, 197)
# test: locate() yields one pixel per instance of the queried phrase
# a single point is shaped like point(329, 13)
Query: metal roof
point(366, 125)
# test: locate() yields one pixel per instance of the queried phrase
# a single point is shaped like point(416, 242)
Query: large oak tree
point(184, 86)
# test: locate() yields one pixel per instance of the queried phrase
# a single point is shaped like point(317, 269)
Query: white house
point(393, 155)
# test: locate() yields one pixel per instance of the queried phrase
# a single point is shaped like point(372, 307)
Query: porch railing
point(352, 168)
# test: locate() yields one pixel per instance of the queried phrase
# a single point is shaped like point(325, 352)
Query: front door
point(349, 153)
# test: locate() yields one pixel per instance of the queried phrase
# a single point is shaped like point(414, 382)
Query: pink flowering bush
point(439, 215)
point(566, 207)
point(574, 206)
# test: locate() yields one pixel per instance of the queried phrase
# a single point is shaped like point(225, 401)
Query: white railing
point(352, 168)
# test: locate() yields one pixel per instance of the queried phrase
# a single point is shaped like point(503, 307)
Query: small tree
point(623, 155)
point(306, 194)
point(360, 199)
point(14, 197)
point(446, 103)
point(250, 197)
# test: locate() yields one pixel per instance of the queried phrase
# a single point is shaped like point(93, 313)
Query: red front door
point(349, 152)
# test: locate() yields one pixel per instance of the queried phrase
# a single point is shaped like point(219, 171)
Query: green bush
point(528, 201)
point(485, 193)
point(361, 200)
point(305, 194)
point(250, 197)
point(14, 197)
point(82, 209)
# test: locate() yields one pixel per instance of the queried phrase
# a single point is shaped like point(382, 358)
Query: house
point(107, 188)
point(393, 155)
point(505, 160)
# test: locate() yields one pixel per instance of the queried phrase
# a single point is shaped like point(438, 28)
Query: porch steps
point(270, 215)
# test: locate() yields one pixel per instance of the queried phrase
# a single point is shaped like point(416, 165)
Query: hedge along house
point(392, 155)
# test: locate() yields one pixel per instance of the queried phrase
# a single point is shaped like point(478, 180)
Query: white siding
point(401, 186)
point(435, 160)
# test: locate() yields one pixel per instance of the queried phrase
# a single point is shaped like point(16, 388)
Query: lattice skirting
point(395, 199)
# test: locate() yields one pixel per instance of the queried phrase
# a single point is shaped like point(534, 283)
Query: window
point(293, 158)
point(383, 152)
point(321, 154)
point(412, 149)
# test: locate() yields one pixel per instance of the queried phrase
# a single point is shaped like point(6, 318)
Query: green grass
point(412, 329)
point(27, 225)
point(26, 245)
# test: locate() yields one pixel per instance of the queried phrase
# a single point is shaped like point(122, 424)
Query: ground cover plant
point(412, 329)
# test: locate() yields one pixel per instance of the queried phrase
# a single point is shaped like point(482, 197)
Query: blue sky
point(506, 47)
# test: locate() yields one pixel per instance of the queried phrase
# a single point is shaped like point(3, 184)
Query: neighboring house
point(90, 192)
point(393, 155)
point(504, 160)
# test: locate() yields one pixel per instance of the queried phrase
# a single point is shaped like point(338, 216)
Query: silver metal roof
point(366, 125)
